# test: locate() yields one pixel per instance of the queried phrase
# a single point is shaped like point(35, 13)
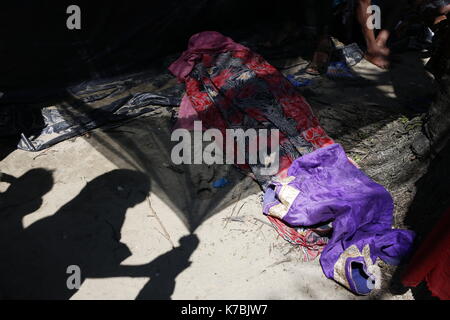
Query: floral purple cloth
point(323, 186)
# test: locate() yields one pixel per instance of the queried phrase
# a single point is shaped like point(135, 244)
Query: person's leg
point(392, 13)
point(382, 38)
point(375, 54)
point(322, 10)
point(363, 17)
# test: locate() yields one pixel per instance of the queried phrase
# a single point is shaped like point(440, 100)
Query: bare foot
point(378, 56)
point(380, 61)
point(318, 63)
point(320, 60)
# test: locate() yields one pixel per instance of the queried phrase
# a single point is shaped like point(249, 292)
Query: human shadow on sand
point(165, 269)
point(85, 232)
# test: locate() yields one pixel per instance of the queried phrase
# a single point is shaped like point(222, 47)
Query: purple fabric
point(199, 44)
point(332, 189)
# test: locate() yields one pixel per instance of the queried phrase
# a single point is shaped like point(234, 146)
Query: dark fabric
point(38, 52)
point(87, 106)
point(316, 14)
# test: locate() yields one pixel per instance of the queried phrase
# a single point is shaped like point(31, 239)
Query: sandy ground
point(241, 259)
point(238, 254)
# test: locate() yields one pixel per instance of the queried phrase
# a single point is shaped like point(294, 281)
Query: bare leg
point(393, 11)
point(320, 14)
point(321, 57)
point(376, 54)
point(382, 39)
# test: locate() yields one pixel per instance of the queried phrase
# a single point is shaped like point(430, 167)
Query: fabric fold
point(324, 186)
point(205, 42)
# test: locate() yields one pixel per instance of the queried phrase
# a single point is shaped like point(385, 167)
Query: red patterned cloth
point(309, 240)
point(231, 87)
point(239, 89)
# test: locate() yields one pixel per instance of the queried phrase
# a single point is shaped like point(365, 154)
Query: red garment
point(431, 262)
point(311, 243)
point(213, 93)
point(229, 86)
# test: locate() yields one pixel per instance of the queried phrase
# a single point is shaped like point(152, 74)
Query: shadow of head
point(119, 188)
point(27, 190)
point(189, 242)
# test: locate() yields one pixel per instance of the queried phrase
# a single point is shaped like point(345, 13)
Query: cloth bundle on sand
point(324, 186)
point(229, 86)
